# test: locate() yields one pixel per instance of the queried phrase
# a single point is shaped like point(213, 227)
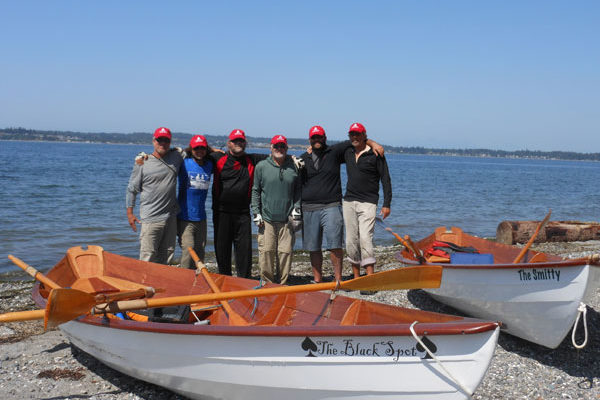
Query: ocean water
point(58, 195)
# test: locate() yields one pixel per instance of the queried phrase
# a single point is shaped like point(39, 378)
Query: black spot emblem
point(310, 346)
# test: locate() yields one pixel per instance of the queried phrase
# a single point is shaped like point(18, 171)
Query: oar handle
point(530, 242)
point(406, 242)
point(414, 249)
point(408, 245)
point(33, 272)
point(127, 295)
point(22, 316)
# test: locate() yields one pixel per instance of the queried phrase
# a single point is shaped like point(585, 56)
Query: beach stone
point(6, 331)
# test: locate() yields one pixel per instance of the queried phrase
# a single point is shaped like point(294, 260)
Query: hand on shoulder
point(140, 158)
point(377, 148)
point(298, 162)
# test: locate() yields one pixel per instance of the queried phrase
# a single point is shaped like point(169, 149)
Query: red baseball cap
point(316, 130)
point(279, 139)
point(357, 127)
point(197, 141)
point(162, 132)
point(237, 134)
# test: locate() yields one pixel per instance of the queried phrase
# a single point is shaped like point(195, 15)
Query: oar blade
point(65, 305)
point(419, 277)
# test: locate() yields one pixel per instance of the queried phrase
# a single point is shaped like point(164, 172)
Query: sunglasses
point(280, 146)
point(199, 148)
point(163, 140)
point(238, 141)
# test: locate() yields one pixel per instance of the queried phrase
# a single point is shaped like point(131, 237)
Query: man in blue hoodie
point(194, 182)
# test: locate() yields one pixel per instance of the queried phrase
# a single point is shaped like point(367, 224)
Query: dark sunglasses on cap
point(199, 148)
point(163, 140)
point(280, 146)
point(238, 141)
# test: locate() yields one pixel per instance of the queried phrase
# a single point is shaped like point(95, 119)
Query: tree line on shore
point(220, 140)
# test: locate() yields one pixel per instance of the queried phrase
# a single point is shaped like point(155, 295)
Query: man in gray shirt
point(156, 182)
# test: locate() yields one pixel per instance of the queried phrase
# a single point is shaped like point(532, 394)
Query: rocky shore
point(38, 365)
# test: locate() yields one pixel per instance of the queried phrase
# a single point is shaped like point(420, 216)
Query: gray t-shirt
point(156, 182)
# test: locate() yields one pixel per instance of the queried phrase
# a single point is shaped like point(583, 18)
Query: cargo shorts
point(326, 225)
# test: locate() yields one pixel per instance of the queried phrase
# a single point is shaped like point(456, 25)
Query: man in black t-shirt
point(365, 170)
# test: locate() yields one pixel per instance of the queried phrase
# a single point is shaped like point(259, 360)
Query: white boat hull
point(204, 366)
point(538, 305)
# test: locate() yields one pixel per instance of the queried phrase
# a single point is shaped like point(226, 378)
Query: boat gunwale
point(546, 264)
point(470, 326)
point(575, 262)
point(463, 326)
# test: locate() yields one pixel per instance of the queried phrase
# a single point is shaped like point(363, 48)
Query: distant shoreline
point(260, 144)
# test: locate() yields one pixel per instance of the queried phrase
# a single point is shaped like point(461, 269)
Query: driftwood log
point(511, 232)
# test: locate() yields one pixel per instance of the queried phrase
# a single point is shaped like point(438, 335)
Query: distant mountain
point(182, 139)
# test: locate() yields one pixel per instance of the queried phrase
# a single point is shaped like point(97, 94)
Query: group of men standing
point(281, 191)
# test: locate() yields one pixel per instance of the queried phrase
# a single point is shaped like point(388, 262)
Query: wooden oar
point(37, 275)
point(63, 305)
point(406, 243)
point(530, 242)
point(127, 294)
point(67, 304)
point(417, 252)
point(234, 318)
point(402, 278)
point(23, 315)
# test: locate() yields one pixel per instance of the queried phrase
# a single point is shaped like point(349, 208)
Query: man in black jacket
point(322, 201)
point(365, 170)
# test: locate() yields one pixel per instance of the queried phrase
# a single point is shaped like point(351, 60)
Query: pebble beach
point(43, 365)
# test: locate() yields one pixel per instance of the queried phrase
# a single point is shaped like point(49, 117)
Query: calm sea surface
point(58, 195)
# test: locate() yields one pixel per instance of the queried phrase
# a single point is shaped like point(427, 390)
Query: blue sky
point(461, 74)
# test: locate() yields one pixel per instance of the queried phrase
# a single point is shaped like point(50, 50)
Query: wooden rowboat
point(537, 299)
point(297, 346)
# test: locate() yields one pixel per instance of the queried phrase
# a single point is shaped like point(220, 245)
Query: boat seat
point(452, 235)
point(88, 267)
point(539, 257)
point(86, 263)
point(105, 284)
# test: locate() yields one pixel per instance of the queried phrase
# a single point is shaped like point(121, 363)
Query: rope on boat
point(255, 302)
point(582, 309)
point(204, 321)
point(333, 294)
point(332, 297)
point(460, 385)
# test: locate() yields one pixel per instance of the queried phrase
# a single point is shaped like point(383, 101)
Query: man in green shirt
point(276, 199)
